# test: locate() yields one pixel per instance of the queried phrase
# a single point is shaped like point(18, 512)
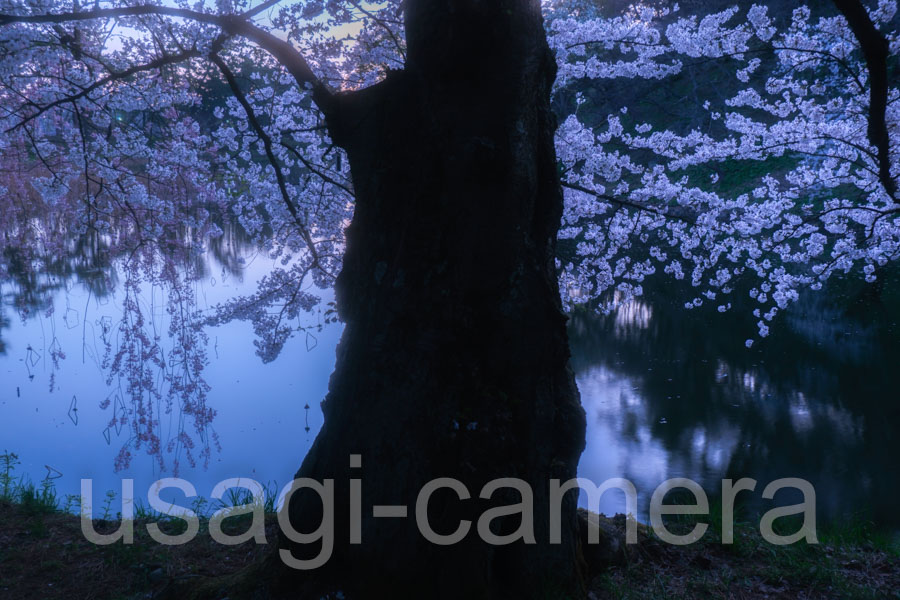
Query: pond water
point(667, 392)
point(674, 393)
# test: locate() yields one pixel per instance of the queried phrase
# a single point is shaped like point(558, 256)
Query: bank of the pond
point(44, 555)
point(850, 562)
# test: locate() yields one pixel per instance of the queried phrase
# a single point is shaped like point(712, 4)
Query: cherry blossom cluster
point(642, 198)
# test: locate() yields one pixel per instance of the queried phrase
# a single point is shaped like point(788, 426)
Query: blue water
point(667, 394)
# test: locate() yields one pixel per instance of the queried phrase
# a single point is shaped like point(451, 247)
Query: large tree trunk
point(454, 359)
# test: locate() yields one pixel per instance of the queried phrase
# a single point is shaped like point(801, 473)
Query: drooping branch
point(876, 50)
point(270, 153)
point(238, 25)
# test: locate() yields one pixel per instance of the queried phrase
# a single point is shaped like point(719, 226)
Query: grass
point(852, 561)
point(44, 555)
point(34, 500)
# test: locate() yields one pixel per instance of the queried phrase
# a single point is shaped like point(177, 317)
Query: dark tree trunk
point(454, 359)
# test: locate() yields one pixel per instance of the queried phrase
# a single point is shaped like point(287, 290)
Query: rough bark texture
point(454, 359)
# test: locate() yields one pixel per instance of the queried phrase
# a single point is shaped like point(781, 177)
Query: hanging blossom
point(124, 130)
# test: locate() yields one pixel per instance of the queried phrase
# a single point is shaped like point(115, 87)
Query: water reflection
point(670, 393)
point(106, 360)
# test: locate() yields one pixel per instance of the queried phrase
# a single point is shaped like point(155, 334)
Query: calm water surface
point(667, 392)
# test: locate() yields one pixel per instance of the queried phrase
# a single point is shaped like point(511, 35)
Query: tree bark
point(454, 360)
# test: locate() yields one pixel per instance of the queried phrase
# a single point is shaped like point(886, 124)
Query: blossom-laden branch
point(270, 154)
point(233, 24)
point(138, 132)
point(800, 106)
